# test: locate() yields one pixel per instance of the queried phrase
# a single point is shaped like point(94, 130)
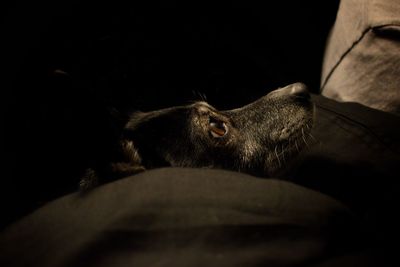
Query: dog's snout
point(299, 90)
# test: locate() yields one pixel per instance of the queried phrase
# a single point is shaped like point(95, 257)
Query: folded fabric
point(180, 217)
point(362, 57)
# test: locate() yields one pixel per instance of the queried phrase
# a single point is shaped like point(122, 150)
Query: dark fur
point(258, 138)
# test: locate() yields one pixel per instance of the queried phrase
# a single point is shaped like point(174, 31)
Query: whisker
point(315, 139)
point(312, 136)
point(283, 153)
point(199, 95)
point(303, 136)
point(297, 146)
point(204, 97)
point(277, 156)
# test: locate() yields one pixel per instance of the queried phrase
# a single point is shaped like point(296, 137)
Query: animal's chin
point(286, 151)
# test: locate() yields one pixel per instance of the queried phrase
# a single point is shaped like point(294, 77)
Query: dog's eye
point(217, 128)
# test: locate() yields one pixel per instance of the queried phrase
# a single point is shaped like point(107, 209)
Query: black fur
point(258, 138)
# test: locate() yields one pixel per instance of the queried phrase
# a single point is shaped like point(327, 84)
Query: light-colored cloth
point(362, 57)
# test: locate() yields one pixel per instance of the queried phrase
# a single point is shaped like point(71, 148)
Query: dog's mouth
point(290, 117)
point(285, 151)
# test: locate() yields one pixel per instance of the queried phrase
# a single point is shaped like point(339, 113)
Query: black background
point(66, 64)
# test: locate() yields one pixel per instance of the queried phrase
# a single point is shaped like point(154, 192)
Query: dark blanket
point(201, 217)
point(182, 217)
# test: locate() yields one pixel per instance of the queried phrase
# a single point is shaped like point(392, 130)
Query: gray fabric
point(362, 57)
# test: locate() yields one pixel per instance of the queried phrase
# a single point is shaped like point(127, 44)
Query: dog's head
point(258, 138)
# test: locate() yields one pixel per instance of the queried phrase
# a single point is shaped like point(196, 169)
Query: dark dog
point(258, 138)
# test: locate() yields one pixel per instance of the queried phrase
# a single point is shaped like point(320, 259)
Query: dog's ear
point(132, 162)
point(89, 180)
point(129, 163)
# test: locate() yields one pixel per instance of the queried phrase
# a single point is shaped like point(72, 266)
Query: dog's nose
point(299, 90)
